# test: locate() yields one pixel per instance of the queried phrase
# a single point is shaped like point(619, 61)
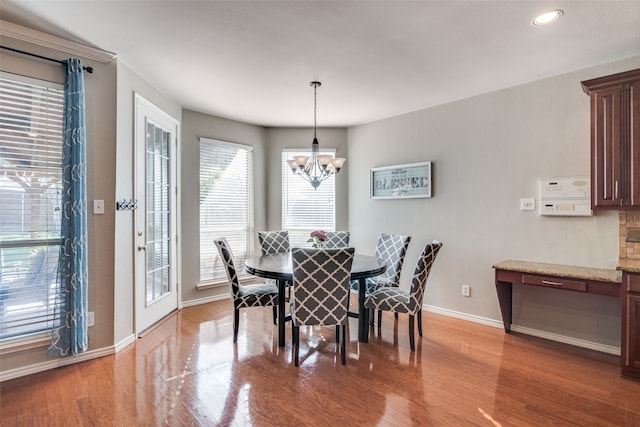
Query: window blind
point(303, 208)
point(226, 205)
point(30, 186)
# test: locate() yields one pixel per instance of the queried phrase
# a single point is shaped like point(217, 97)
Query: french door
point(155, 243)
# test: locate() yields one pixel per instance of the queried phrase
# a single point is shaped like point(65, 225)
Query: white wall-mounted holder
point(567, 196)
point(127, 205)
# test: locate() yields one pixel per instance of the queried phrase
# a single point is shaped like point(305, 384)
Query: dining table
point(280, 268)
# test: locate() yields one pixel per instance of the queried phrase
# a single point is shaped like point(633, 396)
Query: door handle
point(142, 247)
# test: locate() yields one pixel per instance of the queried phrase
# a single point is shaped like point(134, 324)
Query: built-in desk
point(623, 283)
point(598, 281)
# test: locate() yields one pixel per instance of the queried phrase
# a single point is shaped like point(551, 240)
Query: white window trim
point(242, 275)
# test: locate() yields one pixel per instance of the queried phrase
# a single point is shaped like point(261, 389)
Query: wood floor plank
point(187, 371)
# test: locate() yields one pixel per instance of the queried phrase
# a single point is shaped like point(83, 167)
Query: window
point(30, 187)
point(303, 208)
point(226, 205)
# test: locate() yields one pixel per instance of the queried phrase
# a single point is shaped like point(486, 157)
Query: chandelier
point(315, 168)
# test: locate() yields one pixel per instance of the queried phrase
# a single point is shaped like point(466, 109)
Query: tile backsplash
point(629, 236)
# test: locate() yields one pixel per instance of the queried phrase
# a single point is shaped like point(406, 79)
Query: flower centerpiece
point(318, 237)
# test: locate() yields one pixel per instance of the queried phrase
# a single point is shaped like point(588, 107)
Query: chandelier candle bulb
point(324, 159)
point(337, 163)
point(301, 160)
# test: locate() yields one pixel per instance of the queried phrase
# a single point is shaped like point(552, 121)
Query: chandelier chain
point(315, 109)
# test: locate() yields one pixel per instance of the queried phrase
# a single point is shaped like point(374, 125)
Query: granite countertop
point(629, 265)
point(572, 271)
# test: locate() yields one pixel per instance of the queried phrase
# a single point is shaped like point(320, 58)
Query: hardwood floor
point(188, 372)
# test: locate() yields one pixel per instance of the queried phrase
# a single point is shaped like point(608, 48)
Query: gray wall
point(194, 126)
point(280, 138)
point(268, 144)
point(488, 152)
point(100, 102)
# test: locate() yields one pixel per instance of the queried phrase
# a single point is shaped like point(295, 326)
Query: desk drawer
point(633, 282)
point(555, 282)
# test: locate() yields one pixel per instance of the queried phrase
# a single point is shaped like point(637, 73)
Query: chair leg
point(379, 319)
point(296, 340)
point(293, 333)
point(412, 339)
point(420, 323)
point(275, 314)
point(372, 312)
point(395, 315)
point(337, 333)
point(236, 323)
point(343, 344)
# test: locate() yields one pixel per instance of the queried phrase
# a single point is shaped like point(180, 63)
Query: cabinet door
point(606, 148)
point(633, 332)
point(634, 154)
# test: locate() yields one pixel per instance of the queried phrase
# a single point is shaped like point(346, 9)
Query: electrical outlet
point(90, 319)
point(466, 290)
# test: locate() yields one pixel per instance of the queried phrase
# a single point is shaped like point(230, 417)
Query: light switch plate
point(528, 204)
point(98, 207)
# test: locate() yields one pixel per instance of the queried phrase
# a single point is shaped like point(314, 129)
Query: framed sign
point(401, 181)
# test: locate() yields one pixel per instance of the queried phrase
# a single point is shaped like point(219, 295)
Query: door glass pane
point(158, 201)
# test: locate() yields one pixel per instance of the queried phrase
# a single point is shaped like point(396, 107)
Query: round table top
point(279, 266)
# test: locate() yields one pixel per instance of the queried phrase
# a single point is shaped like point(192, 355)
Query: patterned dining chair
point(274, 242)
point(320, 290)
point(337, 239)
point(390, 250)
point(251, 295)
point(409, 301)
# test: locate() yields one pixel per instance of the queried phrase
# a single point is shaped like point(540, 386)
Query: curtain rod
point(87, 69)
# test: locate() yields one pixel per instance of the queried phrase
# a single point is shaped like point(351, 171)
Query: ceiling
point(252, 61)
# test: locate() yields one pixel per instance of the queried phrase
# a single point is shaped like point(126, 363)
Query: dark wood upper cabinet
point(615, 140)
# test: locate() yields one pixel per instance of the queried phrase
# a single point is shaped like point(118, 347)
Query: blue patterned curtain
point(70, 336)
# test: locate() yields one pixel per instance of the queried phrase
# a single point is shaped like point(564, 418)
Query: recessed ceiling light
point(547, 17)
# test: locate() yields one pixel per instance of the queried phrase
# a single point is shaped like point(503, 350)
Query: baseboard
point(199, 301)
point(567, 340)
point(463, 316)
point(56, 363)
point(528, 331)
point(122, 345)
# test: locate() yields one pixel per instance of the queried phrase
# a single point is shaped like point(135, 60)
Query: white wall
point(488, 152)
point(129, 83)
